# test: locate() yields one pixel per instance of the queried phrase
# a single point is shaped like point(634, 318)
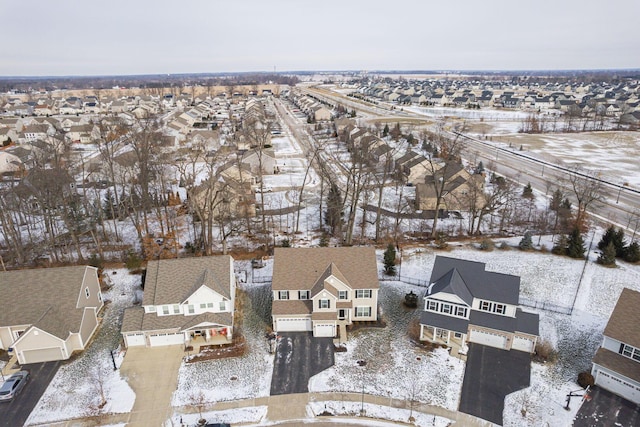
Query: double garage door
point(488, 338)
point(166, 339)
point(42, 355)
point(293, 324)
point(618, 386)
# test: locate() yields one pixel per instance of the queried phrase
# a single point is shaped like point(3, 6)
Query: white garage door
point(487, 338)
point(42, 355)
point(135, 339)
point(166, 339)
point(293, 325)
point(618, 386)
point(522, 344)
point(328, 330)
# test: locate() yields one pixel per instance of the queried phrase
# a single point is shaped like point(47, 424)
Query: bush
point(526, 244)
point(96, 261)
point(545, 352)
point(504, 246)
point(133, 262)
point(608, 256)
point(486, 245)
point(585, 379)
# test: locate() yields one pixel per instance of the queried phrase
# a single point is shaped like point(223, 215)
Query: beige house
point(47, 314)
point(187, 301)
point(323, 290)
point(459, 186)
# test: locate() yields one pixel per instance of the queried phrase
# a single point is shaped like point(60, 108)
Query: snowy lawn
point(230, 416)
point(75, 390)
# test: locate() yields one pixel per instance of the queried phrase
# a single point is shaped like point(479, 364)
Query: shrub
point(390, 260)
point(526, 244)
point(585, 379)
point(486, 245)
point(133, 262)
point(504, 246)
point(545, 352)
point(96, 261)
point(608, 256)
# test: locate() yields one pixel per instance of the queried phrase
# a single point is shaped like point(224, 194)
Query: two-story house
point(324, 290)
point(464, 303)
point(616, 365)
point(187, 301)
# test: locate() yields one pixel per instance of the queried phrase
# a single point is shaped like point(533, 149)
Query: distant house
point(187, 301)
point(465, 303)
point(616, 365)
point(58, 318)
point(323, 290)
point(459, 188)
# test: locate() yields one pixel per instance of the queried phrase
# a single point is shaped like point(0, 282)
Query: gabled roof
point(172, 281)
point(452, 283)
point(481, 284)
point(624, 322)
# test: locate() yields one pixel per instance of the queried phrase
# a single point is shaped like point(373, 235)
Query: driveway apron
point(152, 373)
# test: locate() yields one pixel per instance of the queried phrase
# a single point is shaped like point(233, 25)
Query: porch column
point(435, 331)
point(207, 334)
point(448, 336)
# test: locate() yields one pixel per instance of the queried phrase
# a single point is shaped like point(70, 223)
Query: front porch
point(208, 337)
point(456, 342)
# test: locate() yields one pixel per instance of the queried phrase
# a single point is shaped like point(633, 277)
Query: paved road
point(490, 375)
point(606, 409)
point(16, 412)
point(299, 356)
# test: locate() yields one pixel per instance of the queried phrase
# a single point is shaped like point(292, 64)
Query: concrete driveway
point(16, 412)
point(489, 376)
point(299, 356)
point(152, 373)
point(606, 409)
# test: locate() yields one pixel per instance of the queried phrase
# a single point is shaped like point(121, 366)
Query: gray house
point(464, 303)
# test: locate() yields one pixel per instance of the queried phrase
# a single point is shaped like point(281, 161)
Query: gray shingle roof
point(300, 268)
point(46, 298)
point(445, 322)
point(527, 322)
point(493, 321)
point(624, 323)
point(452, 283)
point(172, 281)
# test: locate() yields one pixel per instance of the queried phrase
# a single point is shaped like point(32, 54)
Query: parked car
point(265, 189)
point(13, 385)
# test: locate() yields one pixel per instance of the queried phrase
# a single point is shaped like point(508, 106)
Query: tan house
point(59, 316)
point(323, 290)
point(616, 365)
point(459, 186)
point(187, 301)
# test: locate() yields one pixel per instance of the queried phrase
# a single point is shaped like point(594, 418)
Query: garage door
point(618, 386)
point(166, 339)
point(293, 325)
point(135, 339)
point(42, 355)
point(328, 330)
point(487, 338)
point(522, 344)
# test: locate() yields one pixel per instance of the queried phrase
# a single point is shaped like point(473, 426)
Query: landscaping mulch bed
point(237, 348)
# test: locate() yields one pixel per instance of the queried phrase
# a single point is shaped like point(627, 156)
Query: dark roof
point(623, 323)
point(136, 320)
point(482, 284)
point(618, 363)
point(443, 321)
point(452, 283)
point(492, 321)
point(527, 323)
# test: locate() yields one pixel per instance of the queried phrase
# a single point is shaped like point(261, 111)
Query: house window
point(192, 309)
point(165, 309)
point(445, 308)
point(176, 309)
point(151, 309)
point(86, 292)
point(203, 306)
point(432, 305)
point(209, 305)
point(303, 294)
point(324, 303)
point(499, 308)
point(461, 312)
point(363, 311)
point(485, 305)
point(283, 294)
point(223, 306)
point(457, 334)
point(343, 295)
point(632, 352)
point(363, 293)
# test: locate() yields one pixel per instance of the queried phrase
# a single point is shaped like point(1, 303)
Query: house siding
point(88, 326)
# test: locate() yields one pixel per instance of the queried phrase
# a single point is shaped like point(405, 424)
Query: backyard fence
point(545, 305)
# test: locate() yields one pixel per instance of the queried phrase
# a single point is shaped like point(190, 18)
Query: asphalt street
point(16, 412)
point(299, 356)
point(489, 376)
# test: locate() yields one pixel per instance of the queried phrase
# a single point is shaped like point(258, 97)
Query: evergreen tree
point(390, 260)
point(632, 253)
point(479, 168)
point(527, 193)
point(526, 244)
point(556, 200)
point(607, 238)
point(560, 248)
point(575, 244)
point(385, 131)
point(608, 255)
point(619, 243)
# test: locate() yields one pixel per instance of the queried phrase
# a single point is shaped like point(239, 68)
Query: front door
point(342, 313)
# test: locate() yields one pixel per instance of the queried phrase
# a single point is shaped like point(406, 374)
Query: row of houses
point(191, 302)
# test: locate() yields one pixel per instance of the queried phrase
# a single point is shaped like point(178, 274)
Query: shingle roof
point(172, 281)
point(445, 322)
point(624, 323)
point(300, 268)
point(452, 283)
point(136, 320)
point(46, 298)
point(618, 363)
point(300, 307)
point(492, 321)
point(527, 323)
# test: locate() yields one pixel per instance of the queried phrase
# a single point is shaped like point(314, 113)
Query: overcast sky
point(68, 37)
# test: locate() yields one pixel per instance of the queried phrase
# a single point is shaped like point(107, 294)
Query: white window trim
point(359, 310)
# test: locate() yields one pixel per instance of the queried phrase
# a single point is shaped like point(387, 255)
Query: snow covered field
point(395, 368)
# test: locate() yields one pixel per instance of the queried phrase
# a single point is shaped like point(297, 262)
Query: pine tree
point(556, 200)
point(608, 255)
point(619, 243)
point(527, 193)
point(560, 248)
point(632, 253)
point(526, 244)
point(575, 244)
point(607, 238)
point(390, 260)
point(385, 131)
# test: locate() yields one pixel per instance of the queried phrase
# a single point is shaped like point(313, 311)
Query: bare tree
point(587, 188)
